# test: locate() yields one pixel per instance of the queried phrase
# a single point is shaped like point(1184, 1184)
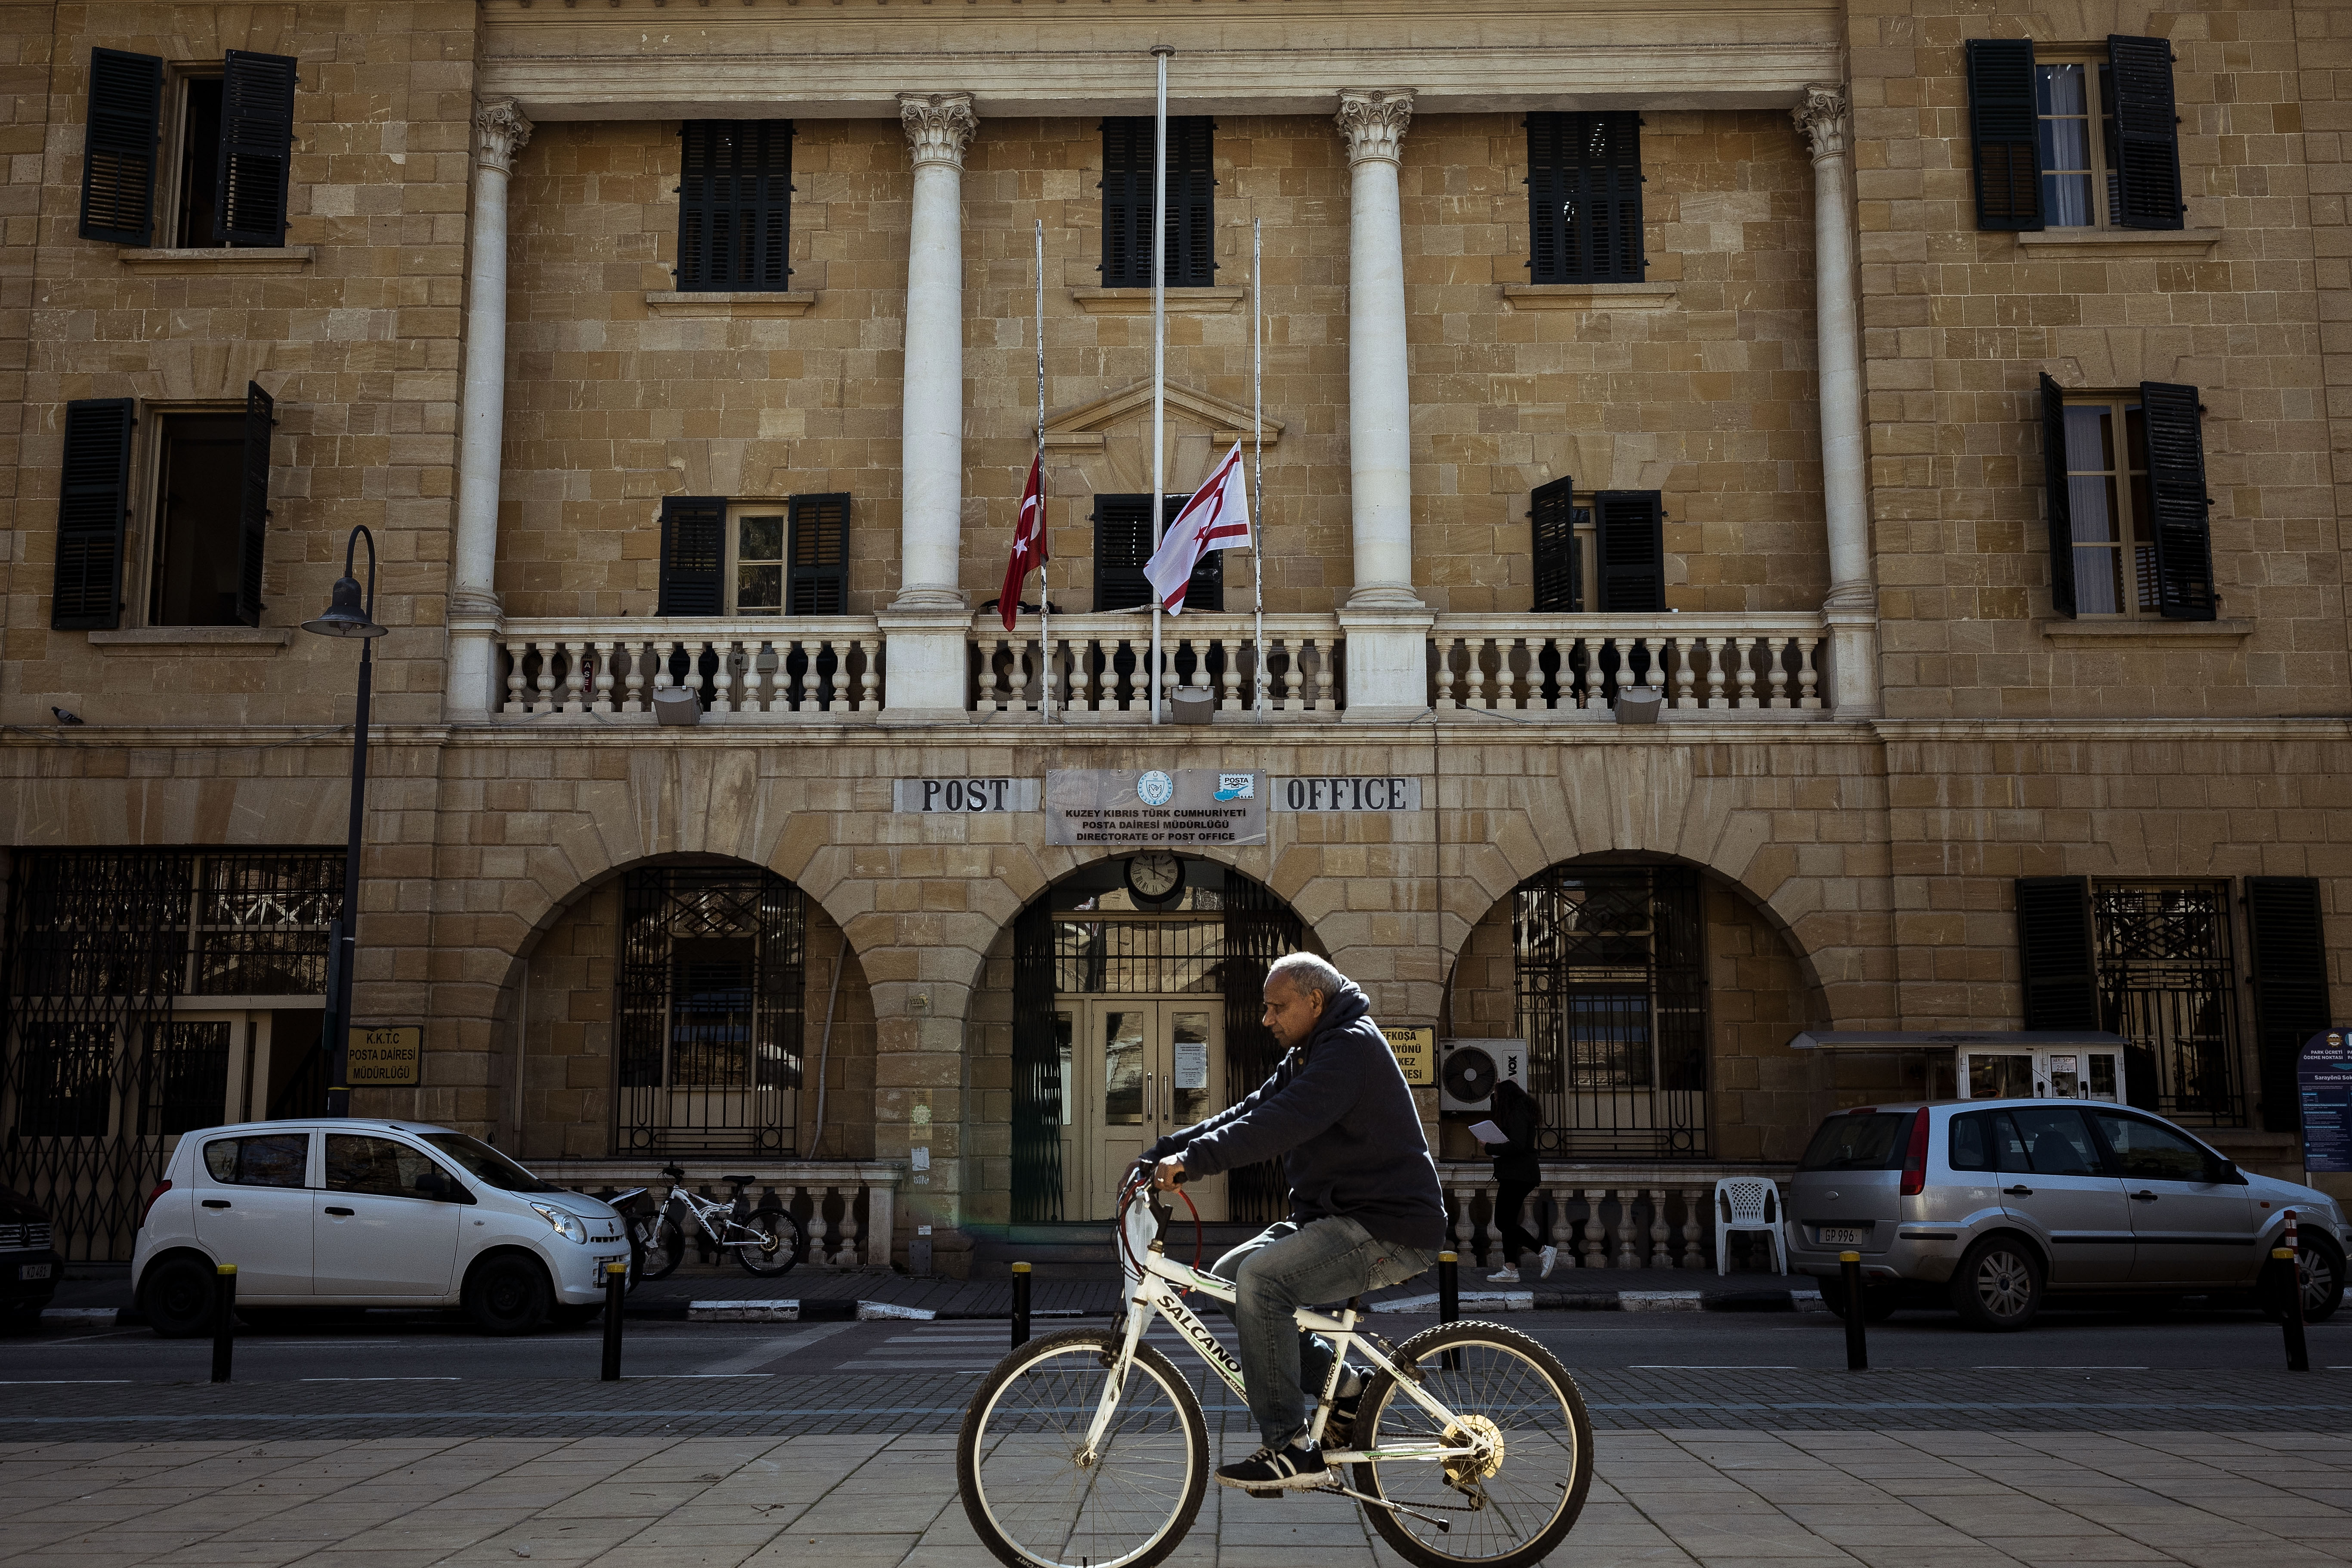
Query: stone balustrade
point(847, 1208)
point(829, 665)
point(1099, 667)
point(1571, 664)
point(1607, 1219)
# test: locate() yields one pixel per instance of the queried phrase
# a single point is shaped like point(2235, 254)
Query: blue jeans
point(1286, 1267)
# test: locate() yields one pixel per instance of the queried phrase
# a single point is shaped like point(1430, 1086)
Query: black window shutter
point(1191, 202)
point(94, 499)
point(118, 161)
point(2148, 133)
point(257, 148)
point(253, 512)
point(1559, 570)
point(735, 205)
point(2053, 950)
point(1630, 544)
point(1123, 543)
point(2062, 506)
point(2175, 482)
point(818, 566)
point(1192, 261)
point(1584, 198)
point(693, 555)
point(2290, 974)
point(2005, 123)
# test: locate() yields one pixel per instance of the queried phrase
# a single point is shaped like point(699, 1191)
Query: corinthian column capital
point(1373, 120)
point(1821, 118)
point(939, 126)
point(499, 133)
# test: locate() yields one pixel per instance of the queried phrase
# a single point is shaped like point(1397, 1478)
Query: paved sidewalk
point(1662, 1498)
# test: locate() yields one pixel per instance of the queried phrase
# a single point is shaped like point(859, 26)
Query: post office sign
point(386, 1058)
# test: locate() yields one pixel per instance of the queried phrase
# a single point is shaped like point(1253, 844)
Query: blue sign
point(2323, 1080)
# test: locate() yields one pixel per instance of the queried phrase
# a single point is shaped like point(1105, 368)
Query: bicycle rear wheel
point(779, 1247)
point(1516, 1507)
point(1034, 1503)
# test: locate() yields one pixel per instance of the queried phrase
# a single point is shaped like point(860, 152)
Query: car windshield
point(486, 1164)
point(1870, 1140)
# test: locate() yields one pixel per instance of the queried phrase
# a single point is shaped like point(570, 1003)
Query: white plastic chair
point(1747, 1202)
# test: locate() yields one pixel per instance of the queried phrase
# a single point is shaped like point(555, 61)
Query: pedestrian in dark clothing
point(1515, 1111)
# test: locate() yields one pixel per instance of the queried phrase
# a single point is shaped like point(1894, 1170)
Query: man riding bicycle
point(1365, 1206)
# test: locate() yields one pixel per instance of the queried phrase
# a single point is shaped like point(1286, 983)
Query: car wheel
point(508, 1295)
point(178, 1298)
point(2319, 1269)
point(1998, 1286)
point(24, 1320)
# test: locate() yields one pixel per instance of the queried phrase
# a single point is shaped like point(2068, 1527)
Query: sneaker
point(1551, 1258)
point(1507, 1275)
point(1273, 1471)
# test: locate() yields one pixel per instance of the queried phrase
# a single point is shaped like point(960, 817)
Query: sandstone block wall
point(1958, 323)
point(360, 346)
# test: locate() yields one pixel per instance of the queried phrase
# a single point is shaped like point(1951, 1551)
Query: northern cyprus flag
point(1216, 518)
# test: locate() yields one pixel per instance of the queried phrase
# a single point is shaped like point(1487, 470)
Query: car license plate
point(1845, 1235)
point(32, 1272)
point(616, 1257)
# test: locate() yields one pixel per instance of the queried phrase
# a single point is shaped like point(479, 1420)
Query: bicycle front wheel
point(778, 1247)
point(1508, 1509)
point(1038, 1499)
point(663, 1242)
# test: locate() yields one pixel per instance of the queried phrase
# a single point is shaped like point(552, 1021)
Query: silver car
point(1993, 1206)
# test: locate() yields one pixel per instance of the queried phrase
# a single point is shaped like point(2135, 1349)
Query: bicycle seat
point(674, 1173)
point(740, 1181)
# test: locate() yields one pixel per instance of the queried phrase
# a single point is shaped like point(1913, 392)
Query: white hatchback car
point(341, 1213)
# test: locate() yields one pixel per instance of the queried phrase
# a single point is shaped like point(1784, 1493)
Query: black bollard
point(1020, 1305)
point(1449, 1300)
point(1857, 1352)
point(616, 1285)
point(224, 1319)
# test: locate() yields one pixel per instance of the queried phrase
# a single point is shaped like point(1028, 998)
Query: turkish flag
point(1216, 518)
point(1028, 543)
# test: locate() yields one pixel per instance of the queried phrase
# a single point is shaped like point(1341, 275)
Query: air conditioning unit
point(1468, 1071)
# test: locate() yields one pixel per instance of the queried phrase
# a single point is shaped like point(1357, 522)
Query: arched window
point(1612, 980)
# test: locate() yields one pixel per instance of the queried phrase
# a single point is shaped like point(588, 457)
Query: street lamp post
point(348, 615)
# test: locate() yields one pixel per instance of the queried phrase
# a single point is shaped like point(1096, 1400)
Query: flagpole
point(1046, 559)
point(1257, 466)
point(1160, 52)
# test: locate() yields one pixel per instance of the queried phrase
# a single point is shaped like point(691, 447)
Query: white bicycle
point(1088, 1450)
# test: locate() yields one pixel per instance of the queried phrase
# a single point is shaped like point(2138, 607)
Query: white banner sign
point(1157, 805)
point(1377, 792)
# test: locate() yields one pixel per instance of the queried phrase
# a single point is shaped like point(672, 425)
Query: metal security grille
point(98, 1077)
point(1137, 957)
point(2167, 983)
point(712, 970)
point(1612, 1002)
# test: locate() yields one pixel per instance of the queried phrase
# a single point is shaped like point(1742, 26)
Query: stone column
point(499, 133)
point(1852, 606)
point(927, 623)
point(1386, 624)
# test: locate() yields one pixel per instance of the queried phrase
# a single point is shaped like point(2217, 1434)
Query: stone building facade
point(1812, 376)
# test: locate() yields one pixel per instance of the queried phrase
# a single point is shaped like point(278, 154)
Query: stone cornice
point(939, 126)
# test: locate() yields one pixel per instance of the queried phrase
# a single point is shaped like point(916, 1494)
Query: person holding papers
point(1510, 1138)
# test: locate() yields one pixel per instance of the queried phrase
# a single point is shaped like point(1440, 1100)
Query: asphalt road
point(388, 1347)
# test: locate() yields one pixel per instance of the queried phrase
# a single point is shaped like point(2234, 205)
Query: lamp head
point(345, 617)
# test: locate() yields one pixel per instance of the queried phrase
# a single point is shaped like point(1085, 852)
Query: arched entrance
point(1135, 1011)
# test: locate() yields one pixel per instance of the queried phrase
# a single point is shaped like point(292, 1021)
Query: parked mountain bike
point(1088, 1450)
point(766, 1242)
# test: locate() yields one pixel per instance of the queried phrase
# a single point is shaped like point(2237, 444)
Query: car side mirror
point(441, 1189)
point(2225, 1172)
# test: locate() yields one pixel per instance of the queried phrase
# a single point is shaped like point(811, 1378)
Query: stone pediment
point(1083, 428)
